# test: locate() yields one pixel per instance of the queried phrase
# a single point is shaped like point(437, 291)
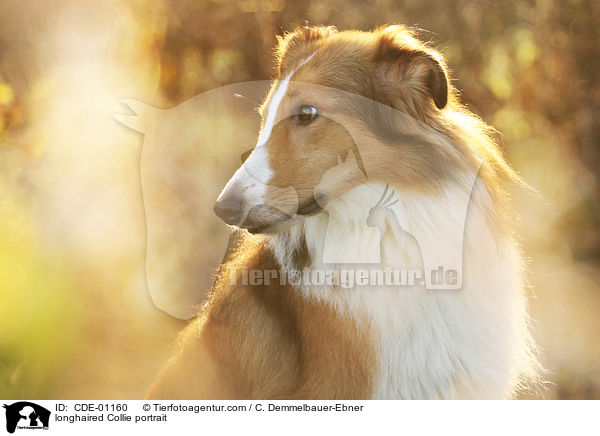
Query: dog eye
point(306, 114)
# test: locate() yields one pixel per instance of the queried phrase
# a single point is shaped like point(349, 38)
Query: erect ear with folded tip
point(410, 70)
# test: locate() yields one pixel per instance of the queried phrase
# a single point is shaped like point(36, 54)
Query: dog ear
point(409, 69)
point(293, 44)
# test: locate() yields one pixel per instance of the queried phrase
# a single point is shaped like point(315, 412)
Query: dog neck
point(450, 324)
point(418, 231)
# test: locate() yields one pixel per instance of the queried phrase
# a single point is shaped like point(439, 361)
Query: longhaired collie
point(377, 258)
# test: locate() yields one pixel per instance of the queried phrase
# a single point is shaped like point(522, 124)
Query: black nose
point(229, 208)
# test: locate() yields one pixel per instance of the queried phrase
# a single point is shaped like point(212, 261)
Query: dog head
point(379, 95)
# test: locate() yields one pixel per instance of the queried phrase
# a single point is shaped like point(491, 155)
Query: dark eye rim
point(306, 114)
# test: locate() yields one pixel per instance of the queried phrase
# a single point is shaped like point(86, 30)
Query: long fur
point(473, 343)
point(326, 341)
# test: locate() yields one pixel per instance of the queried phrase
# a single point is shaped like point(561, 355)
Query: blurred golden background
point(76, 318)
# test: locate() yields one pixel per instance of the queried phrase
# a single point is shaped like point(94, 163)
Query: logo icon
point(388, 223)
point(26, 415)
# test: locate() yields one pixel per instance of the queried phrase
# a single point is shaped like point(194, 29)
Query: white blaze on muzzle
point(250, 182)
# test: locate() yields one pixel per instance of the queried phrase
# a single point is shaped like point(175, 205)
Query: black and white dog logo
point(26, 415)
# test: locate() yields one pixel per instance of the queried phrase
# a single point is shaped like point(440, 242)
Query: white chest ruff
point(471, 342)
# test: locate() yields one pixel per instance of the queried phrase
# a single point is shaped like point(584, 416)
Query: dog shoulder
point(242, 344)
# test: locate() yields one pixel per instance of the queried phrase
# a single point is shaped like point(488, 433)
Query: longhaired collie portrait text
point(378, 259)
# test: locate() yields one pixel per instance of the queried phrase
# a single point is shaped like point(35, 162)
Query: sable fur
point(327, 343)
